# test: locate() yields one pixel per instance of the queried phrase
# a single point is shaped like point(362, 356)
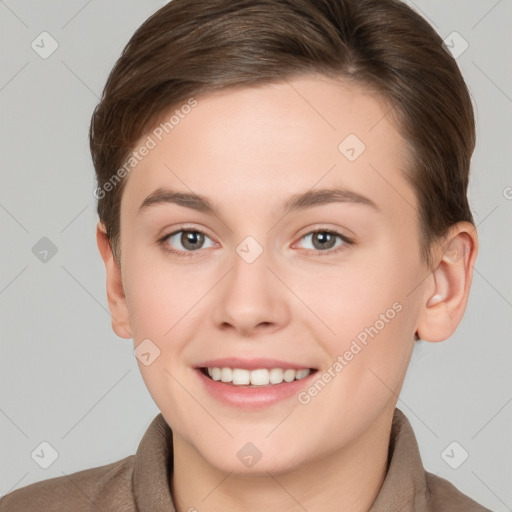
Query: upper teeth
point(259, 377)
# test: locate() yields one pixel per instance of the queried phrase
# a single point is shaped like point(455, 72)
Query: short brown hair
point(191, 47)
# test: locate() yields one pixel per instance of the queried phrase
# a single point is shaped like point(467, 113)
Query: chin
point(250, 461)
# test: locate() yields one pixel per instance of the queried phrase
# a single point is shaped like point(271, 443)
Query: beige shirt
point(141, 483)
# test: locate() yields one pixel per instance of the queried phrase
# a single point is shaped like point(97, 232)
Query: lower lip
point(253, 397)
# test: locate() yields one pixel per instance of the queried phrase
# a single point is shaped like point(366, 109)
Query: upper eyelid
point(164, 237)
point(184, 228)
point(347, 240)
point(200, 230)
point(338, 232)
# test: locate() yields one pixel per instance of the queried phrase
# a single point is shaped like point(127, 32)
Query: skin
point(248, 150)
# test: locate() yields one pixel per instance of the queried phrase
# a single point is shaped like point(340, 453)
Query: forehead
point(257, 145)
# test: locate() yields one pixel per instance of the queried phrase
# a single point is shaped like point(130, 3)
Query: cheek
point(160, 295)
point(367, 318)
point(353, 296)
point(372, 319)
point(160, 300)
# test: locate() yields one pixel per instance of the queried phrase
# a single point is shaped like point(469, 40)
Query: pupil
point(323, 237)
point(191, 239)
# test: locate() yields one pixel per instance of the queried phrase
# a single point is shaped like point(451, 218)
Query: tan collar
point(404, 488)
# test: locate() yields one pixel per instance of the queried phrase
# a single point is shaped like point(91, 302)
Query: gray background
point(67, 379)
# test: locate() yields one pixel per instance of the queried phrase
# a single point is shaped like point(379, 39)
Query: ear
point(447, 289)
point(115, 291)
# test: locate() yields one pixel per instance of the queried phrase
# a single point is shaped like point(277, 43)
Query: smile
point(257, 377)
point(253, 388)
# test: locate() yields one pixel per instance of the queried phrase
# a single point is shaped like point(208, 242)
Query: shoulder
point(445, 497)
point(108, 486)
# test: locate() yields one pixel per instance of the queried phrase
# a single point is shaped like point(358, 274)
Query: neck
point(348, 479)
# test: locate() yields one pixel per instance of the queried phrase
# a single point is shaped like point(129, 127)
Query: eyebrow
point(296, 202)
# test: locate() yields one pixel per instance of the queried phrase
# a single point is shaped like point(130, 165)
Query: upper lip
point(251, 364)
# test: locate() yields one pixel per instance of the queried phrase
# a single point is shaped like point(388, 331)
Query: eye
point(324, 240)
point(190, 240)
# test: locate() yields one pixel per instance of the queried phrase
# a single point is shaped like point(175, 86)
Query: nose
point(251, 299)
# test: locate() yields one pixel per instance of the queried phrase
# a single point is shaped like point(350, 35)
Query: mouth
point(256, 378)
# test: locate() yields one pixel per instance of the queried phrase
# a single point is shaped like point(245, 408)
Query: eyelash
point(346, 241)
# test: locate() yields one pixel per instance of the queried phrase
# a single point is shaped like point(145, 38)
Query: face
point(301, 253)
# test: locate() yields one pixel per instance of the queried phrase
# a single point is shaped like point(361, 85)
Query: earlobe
point(115, 291)
point(447, 289)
